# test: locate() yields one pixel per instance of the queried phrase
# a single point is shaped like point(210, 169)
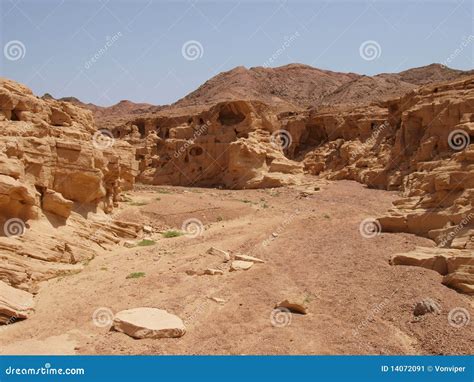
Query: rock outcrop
point(56, 171)
point(419, 144)
point(232, 144)
point(15, 304)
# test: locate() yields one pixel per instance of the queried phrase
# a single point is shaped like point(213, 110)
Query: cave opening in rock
point(14, 116)
point(228, 116)
point(141, 127)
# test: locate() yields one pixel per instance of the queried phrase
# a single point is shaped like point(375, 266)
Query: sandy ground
point(358, 303)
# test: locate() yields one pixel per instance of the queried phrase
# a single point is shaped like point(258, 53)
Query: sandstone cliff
point(56, 170)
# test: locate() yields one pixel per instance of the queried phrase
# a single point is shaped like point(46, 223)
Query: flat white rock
point(149, 323)
point(219, 252)
point(239, 265)
point(249, 258)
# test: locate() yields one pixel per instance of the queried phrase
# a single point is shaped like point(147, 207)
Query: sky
point(158, 51)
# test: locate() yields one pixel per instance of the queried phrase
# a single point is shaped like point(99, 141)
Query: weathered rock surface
point(56, 179)
point(419, 144)
point(248, 258)
point(148, 323)
point(294, 305)
point(15, 304)
point(239, 265)
point(428, 305)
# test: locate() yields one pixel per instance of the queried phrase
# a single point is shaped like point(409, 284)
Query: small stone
point(217, 299)
point(147, 229)
point(293, 306)
point(428, 305)
point(240, 265)
point(129, 244)
point(212, 272)
point(219, 252)
point(149, 323)
point(274, 234)
point(249, 258)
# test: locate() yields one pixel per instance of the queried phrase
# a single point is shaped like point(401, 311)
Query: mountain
point(285, 88)
point(300, 86)
point(289, 87)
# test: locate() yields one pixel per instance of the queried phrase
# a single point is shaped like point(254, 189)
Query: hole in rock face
point(141, 127)
point(190, 120)
point(14, 116)
point(163, 132)
point(228, 116)
point(195, 151)
point(201, 121)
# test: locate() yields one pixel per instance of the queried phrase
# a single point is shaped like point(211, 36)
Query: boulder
point(55, 203)
point(148, 323)
point(428, 305)
point(15, 304)
point(294, 305)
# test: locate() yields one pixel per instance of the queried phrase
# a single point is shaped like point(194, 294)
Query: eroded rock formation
point(418, 144)
point(55, 171)
point(230, 144)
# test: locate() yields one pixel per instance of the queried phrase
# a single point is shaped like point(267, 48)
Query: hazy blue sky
point(144, 59)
